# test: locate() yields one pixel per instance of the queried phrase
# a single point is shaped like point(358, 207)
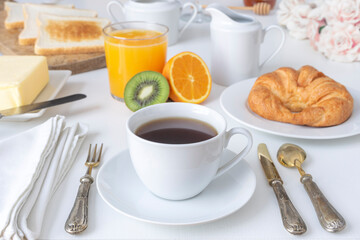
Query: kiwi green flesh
point(145, 89)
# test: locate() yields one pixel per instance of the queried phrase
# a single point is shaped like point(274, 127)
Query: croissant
point(304, 97)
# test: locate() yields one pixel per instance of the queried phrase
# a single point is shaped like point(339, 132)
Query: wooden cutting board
point(77, 63)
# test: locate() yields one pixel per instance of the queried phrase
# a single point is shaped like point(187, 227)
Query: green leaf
point(321, 28)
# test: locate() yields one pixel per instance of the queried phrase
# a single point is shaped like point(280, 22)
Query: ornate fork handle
point(292, 220)
point(78, 217)
point(329, 218)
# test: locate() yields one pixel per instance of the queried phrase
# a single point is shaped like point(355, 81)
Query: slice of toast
point(30, 32)
point(15, 15)
point(69, 35)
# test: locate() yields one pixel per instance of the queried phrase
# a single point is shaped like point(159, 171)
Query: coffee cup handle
point(188, 4)
point(280, 45)
point(239, 156)
point(108, 9)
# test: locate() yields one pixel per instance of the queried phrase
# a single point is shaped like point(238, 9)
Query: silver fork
point(78, 217)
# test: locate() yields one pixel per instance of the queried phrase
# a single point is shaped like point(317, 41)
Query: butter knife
point(291, 219)
point(40, 105)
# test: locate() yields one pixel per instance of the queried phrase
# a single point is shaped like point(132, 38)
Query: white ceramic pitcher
point(166, 12)
point(235, 45)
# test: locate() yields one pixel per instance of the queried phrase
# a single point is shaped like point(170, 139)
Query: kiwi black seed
point(146, 88)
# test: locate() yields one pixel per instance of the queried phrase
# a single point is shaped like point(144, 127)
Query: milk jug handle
point(280, 45)
point(188, 4)
point(115, 3)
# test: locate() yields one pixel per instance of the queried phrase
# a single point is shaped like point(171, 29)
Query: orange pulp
point(130, 51)
point(189, 78)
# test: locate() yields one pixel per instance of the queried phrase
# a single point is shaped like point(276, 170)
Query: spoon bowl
point(290, 155)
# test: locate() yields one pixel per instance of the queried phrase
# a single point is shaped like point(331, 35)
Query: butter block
point(21, 79)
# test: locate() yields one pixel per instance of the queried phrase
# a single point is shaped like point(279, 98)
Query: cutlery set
point(292, 220)
point(290, 155)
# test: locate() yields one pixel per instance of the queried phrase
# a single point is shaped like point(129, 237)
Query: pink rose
point(340, 42)
point(299, 21)
point(284, 13)
point(313, 34)
point(318, 12)
point(316, 21)
point(343, 11)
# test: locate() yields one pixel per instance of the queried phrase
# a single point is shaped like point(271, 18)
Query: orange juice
point(130, 51)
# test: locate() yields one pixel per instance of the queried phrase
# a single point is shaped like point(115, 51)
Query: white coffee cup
point(166, 12)
point(181, 171)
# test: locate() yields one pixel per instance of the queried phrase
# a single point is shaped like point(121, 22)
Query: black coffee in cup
point(176, 131)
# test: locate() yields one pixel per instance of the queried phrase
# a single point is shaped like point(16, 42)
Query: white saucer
point(57, 79)
point(233, 101)
point(119, 186)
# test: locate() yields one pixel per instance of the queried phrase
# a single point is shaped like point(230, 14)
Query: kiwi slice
point(146, 88)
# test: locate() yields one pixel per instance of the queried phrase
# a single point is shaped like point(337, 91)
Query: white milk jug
point(166, 12)
point(235, 45)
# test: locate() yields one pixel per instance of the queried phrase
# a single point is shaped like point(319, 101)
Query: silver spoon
point(290, 155)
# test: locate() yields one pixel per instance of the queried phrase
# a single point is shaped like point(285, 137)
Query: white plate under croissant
point(233, 101)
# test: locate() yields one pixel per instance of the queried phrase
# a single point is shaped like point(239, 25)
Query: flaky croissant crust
point(304, 97)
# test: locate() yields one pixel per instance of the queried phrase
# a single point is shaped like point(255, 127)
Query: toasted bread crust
point(72, 50)
point(73, 31)
point(13, 25)
point(27, 41)
point(8, 23)
point(69, 35)
point(28, 36)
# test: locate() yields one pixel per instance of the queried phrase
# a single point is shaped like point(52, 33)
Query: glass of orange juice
point(130, 48)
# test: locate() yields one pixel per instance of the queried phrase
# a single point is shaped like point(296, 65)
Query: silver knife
point(291, 219)
point(40, 105)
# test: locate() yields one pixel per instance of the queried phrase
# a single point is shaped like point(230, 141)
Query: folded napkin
point(32, 166)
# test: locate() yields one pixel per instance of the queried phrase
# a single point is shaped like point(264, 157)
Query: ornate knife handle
point(78, 217)
point(292, 220)
point(329, 218)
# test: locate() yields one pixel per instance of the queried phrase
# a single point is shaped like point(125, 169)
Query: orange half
point(189, 78)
